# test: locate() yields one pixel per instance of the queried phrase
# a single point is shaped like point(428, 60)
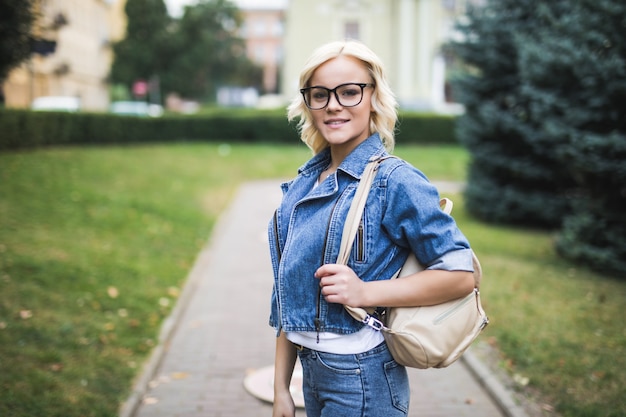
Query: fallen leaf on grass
point(520, 379)
point(597, 375)
point(56, 367)
point(113, 292)
point(26, 314)
point(173, 292)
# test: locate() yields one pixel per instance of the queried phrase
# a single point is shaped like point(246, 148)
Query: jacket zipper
point(318, 308)
point(317, 320)
point(280, 254)
point(360, 249)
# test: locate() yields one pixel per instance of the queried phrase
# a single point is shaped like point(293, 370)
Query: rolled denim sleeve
point(414, 220)
point(458, 260)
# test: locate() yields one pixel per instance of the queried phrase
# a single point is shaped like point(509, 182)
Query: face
point(343, 127)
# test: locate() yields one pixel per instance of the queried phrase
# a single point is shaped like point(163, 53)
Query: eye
point(350, 91)
point(319, 94)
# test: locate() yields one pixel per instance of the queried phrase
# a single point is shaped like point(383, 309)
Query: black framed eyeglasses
point(347, 95)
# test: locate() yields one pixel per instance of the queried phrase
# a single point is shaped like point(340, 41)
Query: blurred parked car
point(136, 108)
point(56, 103)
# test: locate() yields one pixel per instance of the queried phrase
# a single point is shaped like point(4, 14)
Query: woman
point(347, 117)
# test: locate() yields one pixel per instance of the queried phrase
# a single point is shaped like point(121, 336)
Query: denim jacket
point(402, 214)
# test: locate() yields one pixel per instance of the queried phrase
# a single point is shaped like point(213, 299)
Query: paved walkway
point(218, 334)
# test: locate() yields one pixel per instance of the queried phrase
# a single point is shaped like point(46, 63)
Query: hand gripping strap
point(351, 227)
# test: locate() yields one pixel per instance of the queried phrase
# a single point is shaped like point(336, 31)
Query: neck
point(339, 152)
point(337, 155)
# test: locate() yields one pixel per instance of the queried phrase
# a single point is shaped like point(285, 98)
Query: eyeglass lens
point(348, 95)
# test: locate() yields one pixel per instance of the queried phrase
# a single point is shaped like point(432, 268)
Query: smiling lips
point(335, 122)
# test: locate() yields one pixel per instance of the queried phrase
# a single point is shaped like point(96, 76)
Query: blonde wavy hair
point(383, 118)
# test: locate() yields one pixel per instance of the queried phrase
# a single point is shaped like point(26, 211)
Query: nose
point(333, 103)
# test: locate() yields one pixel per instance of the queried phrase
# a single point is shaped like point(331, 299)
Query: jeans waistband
point(381, 347)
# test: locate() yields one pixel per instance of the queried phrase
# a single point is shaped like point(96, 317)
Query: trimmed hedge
point(426, 128)
point(27, 129)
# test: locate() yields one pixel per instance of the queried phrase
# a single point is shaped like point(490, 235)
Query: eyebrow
point(338, 85)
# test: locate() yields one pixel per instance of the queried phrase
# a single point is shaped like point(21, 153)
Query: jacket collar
point(370, 149)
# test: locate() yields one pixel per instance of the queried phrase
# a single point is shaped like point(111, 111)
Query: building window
point(259, 54)
point(278, 53)
point(450, 5)
point(351, 30)
point(277, 28)
point(259, 28)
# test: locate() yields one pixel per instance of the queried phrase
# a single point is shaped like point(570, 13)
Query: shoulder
point(396, 172)
point(402, 185)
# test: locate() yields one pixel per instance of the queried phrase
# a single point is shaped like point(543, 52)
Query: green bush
point(595, 235)
point(545, 92)
point(496, 127)
point(488, 198)
point(26, 129)
point(575, 77)
point(417, 128)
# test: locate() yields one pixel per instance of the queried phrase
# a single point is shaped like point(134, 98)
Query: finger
point(328, 292)
point(326, 281)
point(327, 269)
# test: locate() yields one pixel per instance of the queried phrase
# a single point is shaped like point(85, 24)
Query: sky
point(175, 7)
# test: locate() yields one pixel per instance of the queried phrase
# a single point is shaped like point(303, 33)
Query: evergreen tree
point(574, 76)
point(209, 52)
point(546, 120)
point(146, 50)
point(192, 56)
point(509, 180)
point(16, 20)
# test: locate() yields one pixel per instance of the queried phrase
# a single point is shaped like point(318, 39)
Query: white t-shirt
point(343, 344)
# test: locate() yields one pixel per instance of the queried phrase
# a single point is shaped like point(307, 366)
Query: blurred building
point(72, 54)
point(263, 31)
point(406, 34)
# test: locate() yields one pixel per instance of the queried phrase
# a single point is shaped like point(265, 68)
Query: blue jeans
point(369, 384)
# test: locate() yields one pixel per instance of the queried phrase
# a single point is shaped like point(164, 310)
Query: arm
point(283, 370)
point(427, 287)
point(341, 285)
point(412, 219)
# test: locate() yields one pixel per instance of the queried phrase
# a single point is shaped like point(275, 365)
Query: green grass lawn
point(96, 242)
